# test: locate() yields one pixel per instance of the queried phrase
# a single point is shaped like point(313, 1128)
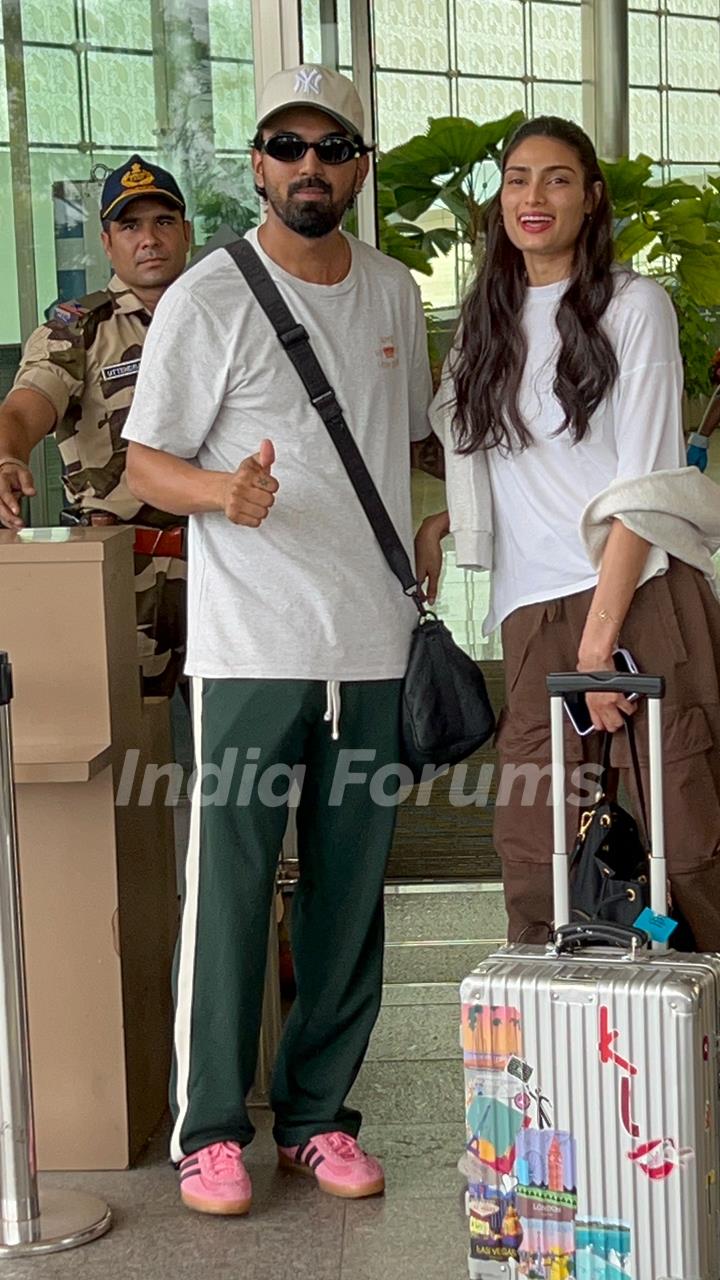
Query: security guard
point(77, 378)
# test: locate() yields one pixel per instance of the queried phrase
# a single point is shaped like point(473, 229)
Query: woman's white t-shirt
point(539, 494)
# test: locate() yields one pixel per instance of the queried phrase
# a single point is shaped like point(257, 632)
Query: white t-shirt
point(308, 595)
point(539, 495)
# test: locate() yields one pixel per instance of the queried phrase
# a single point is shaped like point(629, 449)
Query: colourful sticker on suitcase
point(546, 1199)
point(657, 1158)
point(490, 1035)
point(602, 1250)
point(495, 1230)
point(493, 1125)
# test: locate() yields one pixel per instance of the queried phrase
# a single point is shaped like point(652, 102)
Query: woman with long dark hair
point(561, 412)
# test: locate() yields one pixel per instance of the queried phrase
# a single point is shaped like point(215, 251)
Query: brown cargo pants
point(672, 629)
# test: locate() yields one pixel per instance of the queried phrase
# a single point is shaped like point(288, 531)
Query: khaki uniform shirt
point(85, 361)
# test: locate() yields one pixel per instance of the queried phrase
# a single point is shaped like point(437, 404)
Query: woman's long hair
point(488, 367)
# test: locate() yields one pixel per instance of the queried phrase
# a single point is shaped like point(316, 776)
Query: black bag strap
point(605, 764)
point(643, 824)
point(296, 344)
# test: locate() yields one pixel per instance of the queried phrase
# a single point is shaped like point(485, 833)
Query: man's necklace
point(346, 265)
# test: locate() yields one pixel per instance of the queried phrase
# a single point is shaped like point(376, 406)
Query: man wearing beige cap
point(298, 638)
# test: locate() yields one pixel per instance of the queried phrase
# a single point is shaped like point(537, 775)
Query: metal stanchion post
point(53, 1220)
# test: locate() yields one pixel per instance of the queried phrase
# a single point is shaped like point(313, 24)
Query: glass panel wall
point(326, 33)
point(83, 85)
point(98, 80)
point(674, 77)
point(439, 58)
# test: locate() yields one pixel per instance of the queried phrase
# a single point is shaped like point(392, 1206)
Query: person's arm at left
point(623, 562)
point(174, 484)
point(428, 552)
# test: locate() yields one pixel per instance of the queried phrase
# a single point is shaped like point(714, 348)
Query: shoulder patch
point(67, 312)
point(76, 309)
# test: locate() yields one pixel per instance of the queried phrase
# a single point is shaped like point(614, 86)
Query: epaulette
point(76, 309)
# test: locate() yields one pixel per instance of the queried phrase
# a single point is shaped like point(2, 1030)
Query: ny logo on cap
point(308, 80)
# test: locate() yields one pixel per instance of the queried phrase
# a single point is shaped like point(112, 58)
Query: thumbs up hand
point(265, 455)
point(250, 490)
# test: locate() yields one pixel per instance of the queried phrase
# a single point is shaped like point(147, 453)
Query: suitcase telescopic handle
point(604, 682)
point(653, 688)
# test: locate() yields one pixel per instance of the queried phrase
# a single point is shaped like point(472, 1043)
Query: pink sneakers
point(338, 1163)
point(215, 1180)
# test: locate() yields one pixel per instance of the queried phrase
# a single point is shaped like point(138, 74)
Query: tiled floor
point(294, 1232)
point(410, 1090)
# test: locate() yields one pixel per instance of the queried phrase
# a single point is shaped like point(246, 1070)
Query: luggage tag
point(657, 927)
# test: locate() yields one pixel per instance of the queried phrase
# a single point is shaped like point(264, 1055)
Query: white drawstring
point(332, 712)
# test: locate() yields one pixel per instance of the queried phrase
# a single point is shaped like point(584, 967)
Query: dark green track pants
point(254, 732)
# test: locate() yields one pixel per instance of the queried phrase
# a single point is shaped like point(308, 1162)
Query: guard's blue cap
point(137, 178)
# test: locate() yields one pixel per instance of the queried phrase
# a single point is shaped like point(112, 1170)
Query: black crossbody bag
point(446, 712)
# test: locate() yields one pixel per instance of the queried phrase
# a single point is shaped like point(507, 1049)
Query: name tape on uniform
point(112, 372)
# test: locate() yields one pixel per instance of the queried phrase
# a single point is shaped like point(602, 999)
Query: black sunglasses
point(334, 148)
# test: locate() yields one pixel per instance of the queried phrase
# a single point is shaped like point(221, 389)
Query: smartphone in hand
point(624, 662)
point(575, 705)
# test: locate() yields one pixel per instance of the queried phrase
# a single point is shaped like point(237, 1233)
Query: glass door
point(337, 33)
point(83, 85)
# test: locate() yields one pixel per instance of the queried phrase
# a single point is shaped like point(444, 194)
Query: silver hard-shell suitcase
point(591, 1087)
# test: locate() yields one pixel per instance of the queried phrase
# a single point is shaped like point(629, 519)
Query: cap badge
point(136, 177)
point(308, 80)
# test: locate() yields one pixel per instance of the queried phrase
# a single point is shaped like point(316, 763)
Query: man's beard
point(307, 218)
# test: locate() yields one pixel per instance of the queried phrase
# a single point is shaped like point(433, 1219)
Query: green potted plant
point(445, 167)
point(674, 228)
point(671, 229)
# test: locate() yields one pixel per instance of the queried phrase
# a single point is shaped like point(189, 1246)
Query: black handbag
point(608, 865)
point(446, 712)
point(609, 869)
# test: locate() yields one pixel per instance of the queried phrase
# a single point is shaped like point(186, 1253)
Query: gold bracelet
point(604, 616)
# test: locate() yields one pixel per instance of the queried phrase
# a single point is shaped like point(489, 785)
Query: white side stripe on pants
point(188, 937)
